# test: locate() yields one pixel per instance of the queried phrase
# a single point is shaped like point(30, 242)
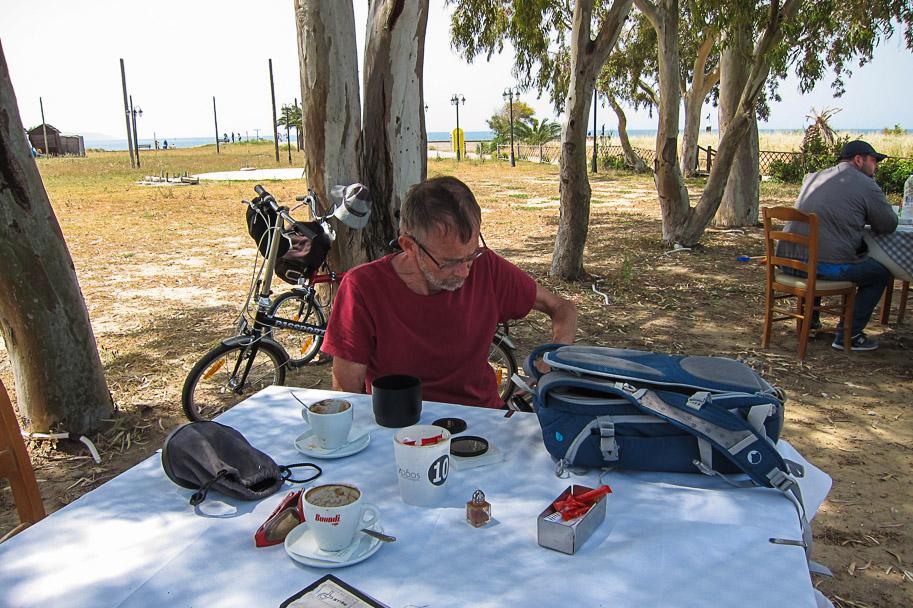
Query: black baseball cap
point(857, 146)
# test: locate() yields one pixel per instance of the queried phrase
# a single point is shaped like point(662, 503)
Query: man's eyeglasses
point(450, 264)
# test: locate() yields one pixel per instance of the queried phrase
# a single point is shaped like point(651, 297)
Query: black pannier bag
point(301, 253)
point(208, 455)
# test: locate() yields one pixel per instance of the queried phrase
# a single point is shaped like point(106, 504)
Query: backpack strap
point(746, 447)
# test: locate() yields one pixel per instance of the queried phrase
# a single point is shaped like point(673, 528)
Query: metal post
point(123, 79)
point(455, 100)
point(595, 92)
point(44, 127)
point(709, 153)
point(298, 130)
point(272, 92)
point(135, 138)
point(215, 118)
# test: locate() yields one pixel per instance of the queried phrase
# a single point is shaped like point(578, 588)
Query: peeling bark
point(60, 382)
point(330, 111)
point(395, 153)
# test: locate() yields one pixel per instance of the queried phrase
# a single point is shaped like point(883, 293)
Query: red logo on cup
point(327, 520)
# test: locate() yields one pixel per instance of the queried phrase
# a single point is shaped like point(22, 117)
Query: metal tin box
point(568, 536)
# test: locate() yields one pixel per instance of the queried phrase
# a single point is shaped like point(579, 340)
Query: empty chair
point(783, 286)
point(16, 467)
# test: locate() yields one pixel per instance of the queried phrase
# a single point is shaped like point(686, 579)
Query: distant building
point(58, 144)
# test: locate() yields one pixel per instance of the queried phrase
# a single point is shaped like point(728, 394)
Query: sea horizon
point(118, 144)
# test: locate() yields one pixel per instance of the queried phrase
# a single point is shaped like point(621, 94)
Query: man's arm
point(348, 376)
point(562, 312)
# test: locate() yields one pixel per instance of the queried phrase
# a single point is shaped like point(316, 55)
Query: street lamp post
point(134, 112)
point(509, 94)
point(456, 100)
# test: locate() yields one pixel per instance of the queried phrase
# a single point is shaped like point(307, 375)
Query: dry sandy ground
point(169, 280)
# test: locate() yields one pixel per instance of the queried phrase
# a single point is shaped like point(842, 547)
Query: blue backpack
point(629, 409)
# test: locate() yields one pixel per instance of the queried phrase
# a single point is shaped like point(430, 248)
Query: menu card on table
point(330, 591)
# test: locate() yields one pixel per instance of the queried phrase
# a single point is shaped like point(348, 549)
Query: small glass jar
point(478, 511)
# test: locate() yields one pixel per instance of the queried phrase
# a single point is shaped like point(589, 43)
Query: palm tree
point(537, 133)
point(820, 128)
point(290, 118)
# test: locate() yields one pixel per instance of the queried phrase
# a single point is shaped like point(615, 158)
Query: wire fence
point(551, 152)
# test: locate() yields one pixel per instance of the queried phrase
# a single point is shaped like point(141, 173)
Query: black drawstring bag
point(207, 456)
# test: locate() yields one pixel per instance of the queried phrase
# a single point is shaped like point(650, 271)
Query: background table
point(668, 539)
point(894, 251)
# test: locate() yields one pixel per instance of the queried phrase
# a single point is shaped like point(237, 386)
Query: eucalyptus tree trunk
point(587, 58)
point(739, 206)
point(683, 224)
point(330, 111)
point(631, 157)
point(701, 85)
point(395, 154)
point(60, 382)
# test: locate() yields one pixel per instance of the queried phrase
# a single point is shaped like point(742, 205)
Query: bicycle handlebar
point(299, 227)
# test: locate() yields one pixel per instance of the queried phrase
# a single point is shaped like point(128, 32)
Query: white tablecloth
point(668, 539)
point(894, 251)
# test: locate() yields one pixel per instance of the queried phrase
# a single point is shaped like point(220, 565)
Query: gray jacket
point(845, 199)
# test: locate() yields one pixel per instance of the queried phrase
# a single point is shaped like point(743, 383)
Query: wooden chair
point(782, 286)
point(888, 296)
point(16, 467)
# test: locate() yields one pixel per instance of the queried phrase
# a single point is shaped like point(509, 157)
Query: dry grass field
point(164, 271)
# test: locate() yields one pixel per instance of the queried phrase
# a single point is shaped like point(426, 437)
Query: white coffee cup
point(422, 470)
point(330, 421)
point(335, 513)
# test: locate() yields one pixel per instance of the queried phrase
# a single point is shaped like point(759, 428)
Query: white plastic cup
point(335, 513)
point(330, 421)
point(422, 470)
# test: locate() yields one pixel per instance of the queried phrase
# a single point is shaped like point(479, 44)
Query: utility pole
point(455, 100)
point(44, 127)
point(509, 93)
point(215, 118)
point(595, 92)
point(272, 92)
point(123, 79)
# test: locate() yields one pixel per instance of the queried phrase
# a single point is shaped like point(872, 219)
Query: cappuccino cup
point(330, 421)
point(335, 513)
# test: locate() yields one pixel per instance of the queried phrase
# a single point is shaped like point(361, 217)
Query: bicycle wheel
point(502, 361)
point(301, 346)
point(228, 374)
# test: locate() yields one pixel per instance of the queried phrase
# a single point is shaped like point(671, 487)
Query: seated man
point(431, 310)
point(846, 198)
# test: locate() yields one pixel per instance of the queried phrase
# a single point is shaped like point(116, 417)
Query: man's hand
point(348, 376)
point(563, 314)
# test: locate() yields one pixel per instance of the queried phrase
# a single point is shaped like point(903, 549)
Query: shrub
point(892, 173)
point(816, 154)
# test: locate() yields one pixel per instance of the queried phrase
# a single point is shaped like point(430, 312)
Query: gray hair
point(445, 203)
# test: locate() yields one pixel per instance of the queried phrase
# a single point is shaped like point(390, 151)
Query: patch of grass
point(519, 195)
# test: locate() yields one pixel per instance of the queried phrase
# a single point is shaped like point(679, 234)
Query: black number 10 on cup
point(422, 463)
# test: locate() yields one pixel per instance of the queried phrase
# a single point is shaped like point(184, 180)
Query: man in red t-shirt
point(431, 310)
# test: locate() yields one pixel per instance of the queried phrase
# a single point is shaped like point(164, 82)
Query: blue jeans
point(871, 279)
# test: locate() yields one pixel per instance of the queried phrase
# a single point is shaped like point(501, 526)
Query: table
point(668, 539)
point(894, 250)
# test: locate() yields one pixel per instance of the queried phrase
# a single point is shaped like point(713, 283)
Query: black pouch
point(207, 456)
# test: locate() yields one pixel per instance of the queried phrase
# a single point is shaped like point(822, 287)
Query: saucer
point(307, 445)
point(302, 547)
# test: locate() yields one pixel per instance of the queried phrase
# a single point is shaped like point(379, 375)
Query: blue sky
point(179, 55)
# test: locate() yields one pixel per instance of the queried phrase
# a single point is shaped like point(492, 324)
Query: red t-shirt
point(443, 338)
